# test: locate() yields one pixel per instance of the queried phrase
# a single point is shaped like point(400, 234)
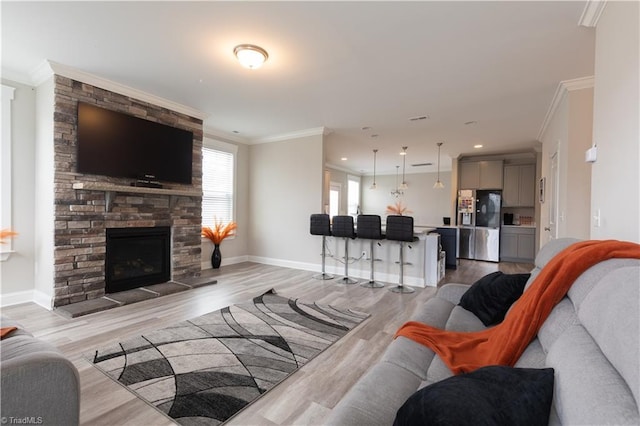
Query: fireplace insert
point(137, 257)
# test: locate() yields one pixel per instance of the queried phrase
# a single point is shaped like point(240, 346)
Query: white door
point(553, 196)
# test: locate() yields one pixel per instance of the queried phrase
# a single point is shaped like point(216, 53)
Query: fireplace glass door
point(137, 257)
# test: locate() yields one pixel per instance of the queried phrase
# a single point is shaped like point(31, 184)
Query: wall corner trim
point(591, 13)
point(561, 91)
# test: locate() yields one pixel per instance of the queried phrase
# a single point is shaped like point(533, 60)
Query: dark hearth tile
point(132, 296)
point(86, 307)
point(167, 288)
point(198, 281)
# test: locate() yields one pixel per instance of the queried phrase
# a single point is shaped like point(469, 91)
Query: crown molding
point(591, 13)
point(342, 169)
point(316, 131)
point(48, 68)
point(221, 134)
point(16, 76)
point(561, 91)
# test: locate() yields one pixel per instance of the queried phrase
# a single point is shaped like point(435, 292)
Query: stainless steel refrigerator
point(481, 240)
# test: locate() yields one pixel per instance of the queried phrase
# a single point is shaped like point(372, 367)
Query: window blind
point(217, 186)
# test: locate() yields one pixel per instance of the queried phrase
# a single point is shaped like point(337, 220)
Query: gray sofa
point(39, 384)
point(590, 339)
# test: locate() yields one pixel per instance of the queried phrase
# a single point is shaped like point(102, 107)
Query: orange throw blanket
point(503, 344)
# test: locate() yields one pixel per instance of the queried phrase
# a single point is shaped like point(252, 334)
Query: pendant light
point(397, 192)
point(404, 185)
point(374, 185)
point(438, 184)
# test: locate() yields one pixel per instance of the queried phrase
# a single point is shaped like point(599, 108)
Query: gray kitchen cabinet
point(470, 175)
point(517, 244)
point(481, 174)
point(519, 185)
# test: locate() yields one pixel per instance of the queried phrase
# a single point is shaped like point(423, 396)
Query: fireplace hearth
point(136, 257)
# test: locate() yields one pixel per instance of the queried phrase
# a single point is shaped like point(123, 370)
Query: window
point(353, 195)
point(335, 190)
point(218, 183)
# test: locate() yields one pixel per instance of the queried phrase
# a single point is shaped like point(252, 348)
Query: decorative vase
point(216, 257)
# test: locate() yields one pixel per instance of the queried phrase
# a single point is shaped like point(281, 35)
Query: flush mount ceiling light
point(250, 56)
point(404, 185)
point(438, 184)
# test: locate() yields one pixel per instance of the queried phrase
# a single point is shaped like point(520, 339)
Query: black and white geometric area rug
point(205, 370)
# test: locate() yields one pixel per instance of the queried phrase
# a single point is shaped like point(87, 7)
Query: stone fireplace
point(89, 207)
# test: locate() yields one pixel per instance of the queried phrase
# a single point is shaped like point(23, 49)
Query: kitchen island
point(422, 259)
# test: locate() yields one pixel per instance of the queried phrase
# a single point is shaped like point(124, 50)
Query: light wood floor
point(305, 398)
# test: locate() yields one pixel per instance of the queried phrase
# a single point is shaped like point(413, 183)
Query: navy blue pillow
point(491, 296)
point(494, 395)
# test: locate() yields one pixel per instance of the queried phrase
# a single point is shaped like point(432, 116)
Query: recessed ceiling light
point(374, 136)
point(344, 158)
point(418, 118)
point(468, 123)
point(250, 56)
point(236, 131)
point(365, 128)
point(477, 146)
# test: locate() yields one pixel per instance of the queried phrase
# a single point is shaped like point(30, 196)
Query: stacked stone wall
point(81, 216)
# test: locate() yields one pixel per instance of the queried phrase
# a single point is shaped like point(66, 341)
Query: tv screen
point(115, 144)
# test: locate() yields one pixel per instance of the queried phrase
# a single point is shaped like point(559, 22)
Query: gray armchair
point(39, 384)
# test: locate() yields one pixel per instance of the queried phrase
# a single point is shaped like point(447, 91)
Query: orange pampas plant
point(219, 231)
point(6, 233)
point(398, 208)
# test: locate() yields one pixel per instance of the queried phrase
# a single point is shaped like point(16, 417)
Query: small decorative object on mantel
point(216, 234)
point(398, 209)
point(6, 233)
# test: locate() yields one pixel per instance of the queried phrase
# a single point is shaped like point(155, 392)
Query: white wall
point(17, 273)
point(285, 188)
point(428, 205)
point(615, 176)
point(44, 190)
point(578, 193)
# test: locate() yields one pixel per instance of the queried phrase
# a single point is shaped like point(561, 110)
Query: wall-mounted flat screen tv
point(114, 144)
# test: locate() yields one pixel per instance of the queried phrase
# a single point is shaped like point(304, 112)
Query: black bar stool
point(321, 225)
point(343, 228)
point(400, 228)
point(370, 228)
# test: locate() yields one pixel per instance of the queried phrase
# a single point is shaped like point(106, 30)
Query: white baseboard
point(26, 296)
point(206, 264)
point(16, 298)
point(42, 299)
point(285, 263)
point(338, 271)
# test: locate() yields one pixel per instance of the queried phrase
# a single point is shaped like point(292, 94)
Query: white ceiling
point(338, 65)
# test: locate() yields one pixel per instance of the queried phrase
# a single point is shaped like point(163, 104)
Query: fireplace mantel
point(111, 189)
